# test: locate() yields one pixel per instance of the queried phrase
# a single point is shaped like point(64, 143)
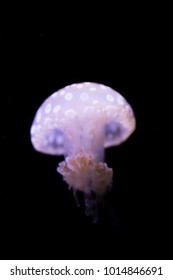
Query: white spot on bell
point(48, 122)
point(70, 114)
point(111, 111)
point(62, 92)
point(89, 110)
point(95, 101)
point(110, 98)
point(38, 117)
point(92, 89)
point(33, 128)
point(39, 128)
point(103, 87)
point(120, 100)
point(84, 96)
point(56, 108)
point(87, 83)
point(48, 108)
point(54, 94)
point(79, 86)
point(68, 96)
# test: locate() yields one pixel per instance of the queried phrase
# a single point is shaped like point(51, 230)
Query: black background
point(43, 50)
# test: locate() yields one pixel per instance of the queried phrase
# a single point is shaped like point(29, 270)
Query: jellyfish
point(79, 121)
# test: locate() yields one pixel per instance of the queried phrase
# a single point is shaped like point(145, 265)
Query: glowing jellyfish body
point(79, 121)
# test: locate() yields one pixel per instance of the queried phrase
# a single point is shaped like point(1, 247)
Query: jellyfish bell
point(79, 122)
